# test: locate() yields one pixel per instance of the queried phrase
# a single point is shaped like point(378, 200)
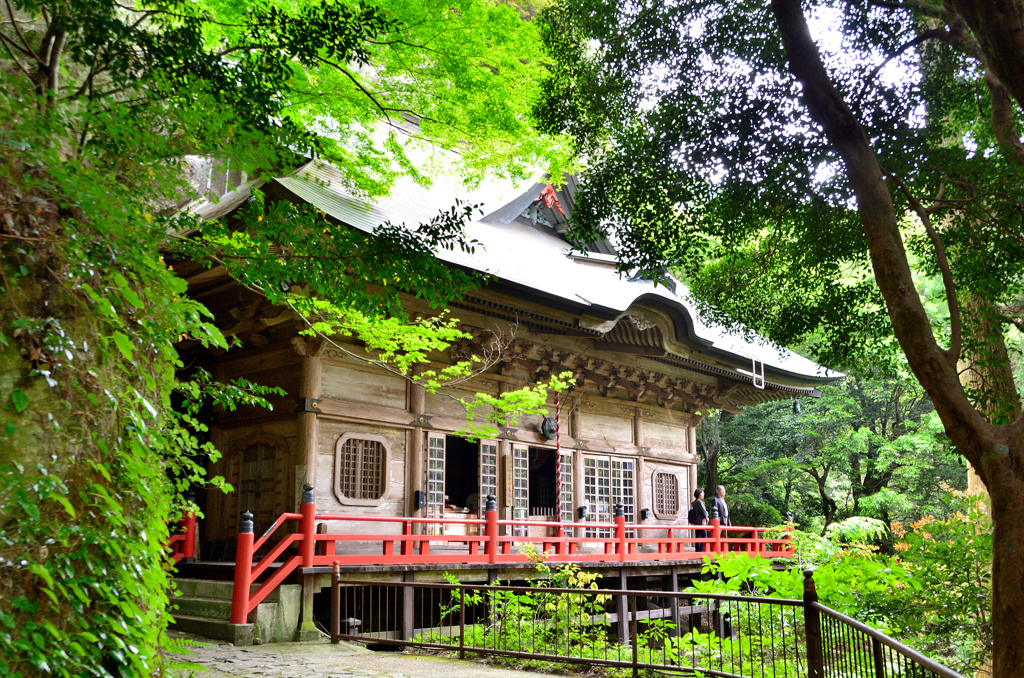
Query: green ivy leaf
point(63, 502)
point(124, 344)
point(20, 401)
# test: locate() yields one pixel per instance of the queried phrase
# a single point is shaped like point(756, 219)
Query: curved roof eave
point(533, 265)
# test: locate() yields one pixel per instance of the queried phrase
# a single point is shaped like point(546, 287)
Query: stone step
point(216, 629)
point(210, 608)
point(205, 608)
point(205, 588)
point(219, 590)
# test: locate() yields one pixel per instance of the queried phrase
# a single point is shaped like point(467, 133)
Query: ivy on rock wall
point(101, 102)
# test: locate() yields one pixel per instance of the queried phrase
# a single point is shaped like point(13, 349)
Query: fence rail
point(182, 544)
point(717, 635)
point(563, 542)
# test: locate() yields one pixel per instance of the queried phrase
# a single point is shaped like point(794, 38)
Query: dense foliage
point(102, 102)
point(934, 593)
point(808, 166)
point(868, 447)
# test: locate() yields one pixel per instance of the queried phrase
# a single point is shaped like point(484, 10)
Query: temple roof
point(525, 253)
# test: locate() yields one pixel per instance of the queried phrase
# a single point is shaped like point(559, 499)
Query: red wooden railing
point(617, 543)
point(183, 544)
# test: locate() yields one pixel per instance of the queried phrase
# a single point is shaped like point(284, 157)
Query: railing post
point(491, 514)
point(243, 571)
point(462, 622)
point(406, 532)
point(634, 641)
point(716, 534)
point(307, 525)
point(620, 532)
point(336, 604)
point(876, 651)
point(188, 552)
point(812, 628)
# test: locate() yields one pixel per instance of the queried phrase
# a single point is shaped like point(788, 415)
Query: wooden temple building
point(385, 459)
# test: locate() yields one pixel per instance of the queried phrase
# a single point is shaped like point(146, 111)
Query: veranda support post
point(491, 515)
point(620, 532)
point(307, 525)
point(188, 551)
point(243, 571)
point(336, 604)
point(715, 530)
point(812, 627)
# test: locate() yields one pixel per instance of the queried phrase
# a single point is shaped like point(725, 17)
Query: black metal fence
point(717, 635)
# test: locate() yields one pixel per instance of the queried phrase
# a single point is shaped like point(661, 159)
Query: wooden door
point(597, 492)
point(258, 484)
point(623, 477)
point(435, 480)
point(520, 486)
point(487, 481)
point(565, 502)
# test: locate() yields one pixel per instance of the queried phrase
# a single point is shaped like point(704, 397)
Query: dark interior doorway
point(461, 473)
point(542, 482)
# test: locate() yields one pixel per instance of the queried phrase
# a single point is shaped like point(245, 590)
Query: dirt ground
point(323, 660)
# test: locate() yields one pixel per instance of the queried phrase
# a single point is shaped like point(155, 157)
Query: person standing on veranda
point(699, 516)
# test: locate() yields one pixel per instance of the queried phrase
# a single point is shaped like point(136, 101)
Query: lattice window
point(361, 474)
point(666, 494)
point(566, 498)
point(435, 481)
point(488, 472)
point(624, 489)
point(597, 493)
point(520, 486)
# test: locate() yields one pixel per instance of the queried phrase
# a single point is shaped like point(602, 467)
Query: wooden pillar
point(622, 608)
point(506, 494)
point(691, 430)
point(307, 627)
point(408, 607)
point(417, 398)
point(577, 483)
point(638, 427)
point(693, 482)
point(216, 519)
point(310, 390)
point(673, 605)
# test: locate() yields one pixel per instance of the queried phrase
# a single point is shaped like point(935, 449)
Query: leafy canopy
point(703, 156)
point(102, 102)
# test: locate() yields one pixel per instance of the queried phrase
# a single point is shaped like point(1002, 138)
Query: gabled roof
point(530, 258)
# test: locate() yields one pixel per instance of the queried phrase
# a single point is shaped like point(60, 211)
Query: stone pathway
point(323, 660)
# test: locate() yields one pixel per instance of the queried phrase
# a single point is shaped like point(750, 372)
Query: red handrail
point(617, 541)
point(183, 544)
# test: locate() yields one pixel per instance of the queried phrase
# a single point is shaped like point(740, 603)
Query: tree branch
point(998, 26)
point(53, 79)
point(955, 328)
point(21, 36)
point(909, 6)
point(1001, 117)
point(935, 33)
point(970, 432)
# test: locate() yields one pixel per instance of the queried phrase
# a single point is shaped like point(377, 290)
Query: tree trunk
point(997, 452)
point(998, 26)
point(1007, 492)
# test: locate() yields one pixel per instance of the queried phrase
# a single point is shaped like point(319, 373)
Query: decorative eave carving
point(536, 362)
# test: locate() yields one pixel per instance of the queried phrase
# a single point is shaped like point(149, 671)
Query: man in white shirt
point(721, 506)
